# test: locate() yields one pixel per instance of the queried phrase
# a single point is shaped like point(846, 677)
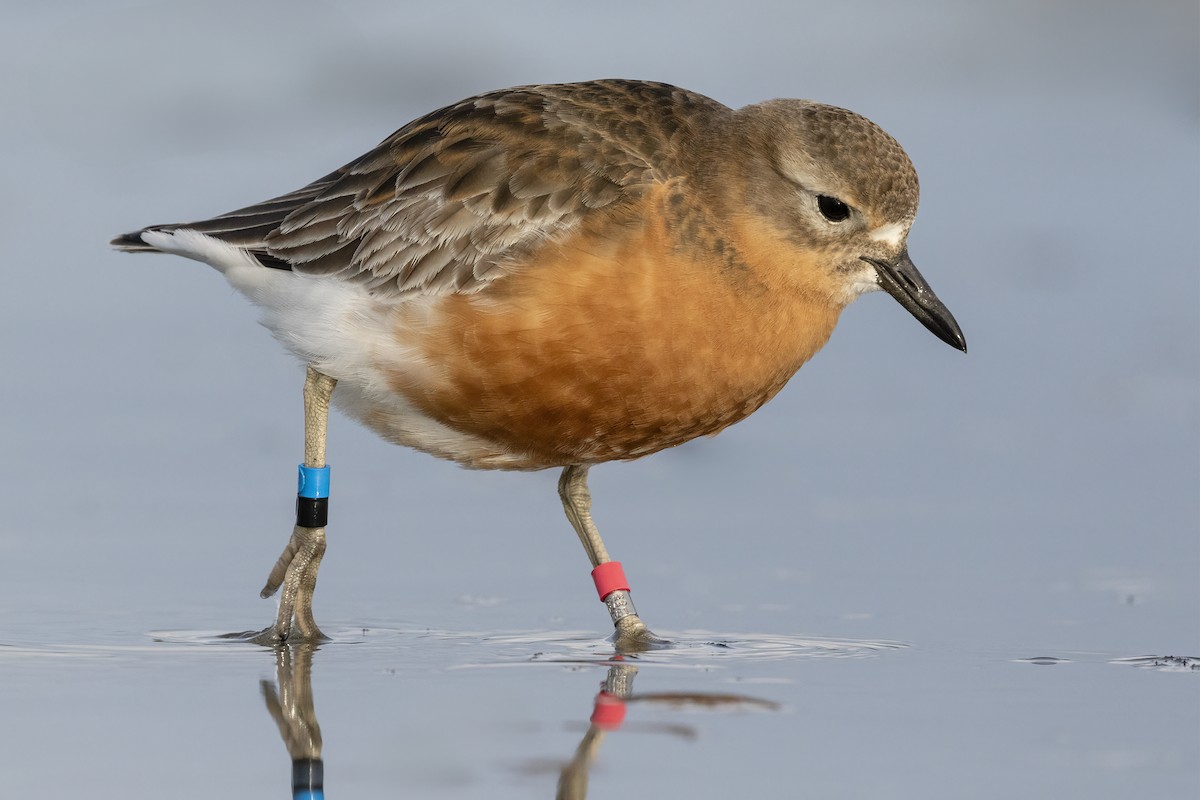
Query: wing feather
point(450, 201)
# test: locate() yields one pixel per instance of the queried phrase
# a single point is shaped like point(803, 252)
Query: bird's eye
point(832, 209)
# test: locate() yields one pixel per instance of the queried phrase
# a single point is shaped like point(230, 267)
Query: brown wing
point(443, 204)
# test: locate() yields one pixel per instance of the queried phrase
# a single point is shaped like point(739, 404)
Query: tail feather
point(132, 242)
point(246, 228)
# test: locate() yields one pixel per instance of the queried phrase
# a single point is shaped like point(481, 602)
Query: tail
point(133, 242)
point(246, 229)
point(194, 240)
point(233, 229)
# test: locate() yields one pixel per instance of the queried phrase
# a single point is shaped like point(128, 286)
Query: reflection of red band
point(609, 711)
point(609, 578)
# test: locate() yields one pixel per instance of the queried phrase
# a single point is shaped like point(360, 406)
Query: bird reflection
point(608, 713)
point(290, 702)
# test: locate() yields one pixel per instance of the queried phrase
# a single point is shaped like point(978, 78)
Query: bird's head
point(841, 195)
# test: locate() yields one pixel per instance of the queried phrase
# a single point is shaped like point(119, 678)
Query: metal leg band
point(620, 605)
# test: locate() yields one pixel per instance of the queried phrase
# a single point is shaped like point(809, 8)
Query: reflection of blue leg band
point(308, 779)
point(312, 497)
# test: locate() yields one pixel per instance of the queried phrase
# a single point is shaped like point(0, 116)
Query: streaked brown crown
point(852, 156)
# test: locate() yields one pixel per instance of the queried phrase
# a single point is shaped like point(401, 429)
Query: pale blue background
point(1037, 497)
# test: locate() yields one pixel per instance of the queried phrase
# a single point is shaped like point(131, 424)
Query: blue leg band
point(314, 481)
point(312, 497)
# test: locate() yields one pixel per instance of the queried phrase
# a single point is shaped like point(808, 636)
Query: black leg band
point(308, 778)
point(312, 512)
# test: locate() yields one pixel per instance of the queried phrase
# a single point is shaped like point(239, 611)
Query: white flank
point(344, 332)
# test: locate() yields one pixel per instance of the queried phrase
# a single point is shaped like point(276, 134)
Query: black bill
point(902, 281)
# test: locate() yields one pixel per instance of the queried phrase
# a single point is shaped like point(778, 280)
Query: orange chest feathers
point(613, 345)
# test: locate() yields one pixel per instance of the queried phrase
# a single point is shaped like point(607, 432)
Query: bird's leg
point(296, 569)
point(631, 633)
point(608, 713)
point(290, 703)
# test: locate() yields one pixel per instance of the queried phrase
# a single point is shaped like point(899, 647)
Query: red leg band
point(609, 578)
point(609, 711)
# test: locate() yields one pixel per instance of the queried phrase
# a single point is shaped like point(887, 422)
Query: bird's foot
point(296, 572)
point(632, 636)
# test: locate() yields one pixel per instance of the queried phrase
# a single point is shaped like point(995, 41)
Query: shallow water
point(558, 713)
point(912, 574)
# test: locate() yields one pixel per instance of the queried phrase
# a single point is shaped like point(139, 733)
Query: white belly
point(344, 333)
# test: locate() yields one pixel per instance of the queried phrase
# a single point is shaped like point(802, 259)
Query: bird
point(562, 275)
